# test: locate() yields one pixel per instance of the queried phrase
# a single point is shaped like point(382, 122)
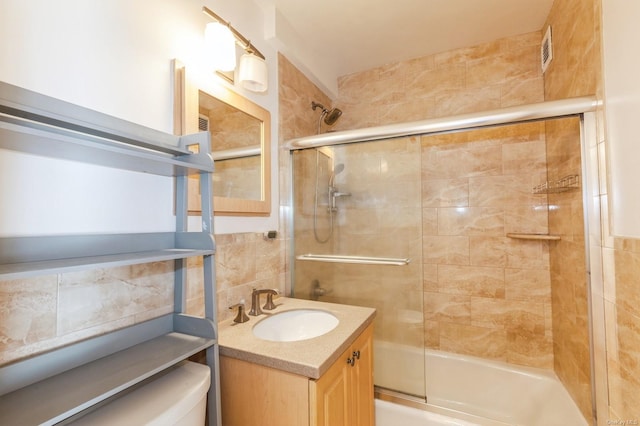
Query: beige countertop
point(311, 357)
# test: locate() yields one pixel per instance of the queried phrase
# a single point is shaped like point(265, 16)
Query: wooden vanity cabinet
point(342, 396)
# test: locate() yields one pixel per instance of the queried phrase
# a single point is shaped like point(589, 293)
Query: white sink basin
point(295, 325)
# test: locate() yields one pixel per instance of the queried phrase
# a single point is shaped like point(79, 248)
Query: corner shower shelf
point(564, 184)
point(544, 237)
point(56, 385)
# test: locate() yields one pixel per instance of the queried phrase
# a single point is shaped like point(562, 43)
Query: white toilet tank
point(176, 398)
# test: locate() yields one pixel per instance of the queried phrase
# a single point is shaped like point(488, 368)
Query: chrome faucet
point(255, 301)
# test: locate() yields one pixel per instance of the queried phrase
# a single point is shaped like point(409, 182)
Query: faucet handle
point(269, 305)
point(241, 316)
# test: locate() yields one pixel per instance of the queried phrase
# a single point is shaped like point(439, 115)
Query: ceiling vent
point(546, 50)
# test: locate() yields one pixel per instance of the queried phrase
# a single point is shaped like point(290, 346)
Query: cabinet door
point(330, 395)
point(362, 379)
point(252, 394)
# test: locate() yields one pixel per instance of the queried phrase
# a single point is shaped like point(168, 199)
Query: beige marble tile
point(488, 251)
point(521, 92)
point(527, 254)
point(453, 250)
point(485, 221)
point(431, 81)
point(627, 276)
point(516, 64)
point(28, 309)
point(526, 220)
point(530, 349)
point(527, 285)
point(445, 192)
point(461, 161)
point(471, 281)
point(515, 316)
point(35, 348)
point(87, 299)
point(463, 55)
point(524, 157)
point(454, 102)
point(432, 334)
point(429, 221)
point(629, 343)
point(430, 277)
point(472, 340)
point(235, 263)
point(413, 109)
point(447, 308)
point(504, 191)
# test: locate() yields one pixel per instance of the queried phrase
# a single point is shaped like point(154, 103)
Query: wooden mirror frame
point(186, 109)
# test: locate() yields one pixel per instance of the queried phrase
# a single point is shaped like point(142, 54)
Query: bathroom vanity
point(325, 380)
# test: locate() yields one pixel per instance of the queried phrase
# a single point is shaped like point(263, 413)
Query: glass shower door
point(357, 221)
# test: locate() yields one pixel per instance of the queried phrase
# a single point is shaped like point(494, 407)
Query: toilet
point(176, 398)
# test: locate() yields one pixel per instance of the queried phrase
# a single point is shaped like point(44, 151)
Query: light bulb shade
point(221, 45)
point(253, 73)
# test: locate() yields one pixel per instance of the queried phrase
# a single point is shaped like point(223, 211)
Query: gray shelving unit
point(61, 384)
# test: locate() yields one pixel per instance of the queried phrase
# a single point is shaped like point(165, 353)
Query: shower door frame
point(584, 108)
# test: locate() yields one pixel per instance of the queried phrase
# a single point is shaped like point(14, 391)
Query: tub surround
point(310, 358)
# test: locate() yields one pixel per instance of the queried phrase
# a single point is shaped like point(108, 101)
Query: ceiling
point(332, 38)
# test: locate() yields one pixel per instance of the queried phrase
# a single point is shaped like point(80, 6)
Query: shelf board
point(61, 396)
point(39, 139)
point(23, 257)
point(544, 237)
point(31, 269)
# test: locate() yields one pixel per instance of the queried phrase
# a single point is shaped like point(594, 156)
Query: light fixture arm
point(244, 42)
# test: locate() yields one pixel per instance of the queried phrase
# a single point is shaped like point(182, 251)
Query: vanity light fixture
point(253, 72)
point(221, 45)
point(253, 68)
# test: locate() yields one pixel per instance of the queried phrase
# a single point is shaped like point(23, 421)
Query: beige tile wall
point(502, 73)
point(39, 314)
point(568, 265)
point(485, 294)
point(296, 119)
point(622, 307)
point(576, 71)
point(243, 262)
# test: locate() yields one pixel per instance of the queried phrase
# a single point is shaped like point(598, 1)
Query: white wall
point(113, 56)
point(622, 96)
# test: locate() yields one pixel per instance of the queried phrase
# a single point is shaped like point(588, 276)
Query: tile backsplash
point(39, 314)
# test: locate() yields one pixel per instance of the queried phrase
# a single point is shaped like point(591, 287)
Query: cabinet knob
point(351, 361)
point(356, 354)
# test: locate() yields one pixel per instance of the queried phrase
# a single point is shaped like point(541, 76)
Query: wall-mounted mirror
point(240, 144)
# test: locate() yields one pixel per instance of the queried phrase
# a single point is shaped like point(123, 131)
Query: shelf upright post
point(209, 270)
point(208, 261)
point(180, 265)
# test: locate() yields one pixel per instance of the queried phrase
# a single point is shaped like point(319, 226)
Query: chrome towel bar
point(362, 260)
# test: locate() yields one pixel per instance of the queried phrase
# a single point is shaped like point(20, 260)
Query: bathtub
point(474, 389)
